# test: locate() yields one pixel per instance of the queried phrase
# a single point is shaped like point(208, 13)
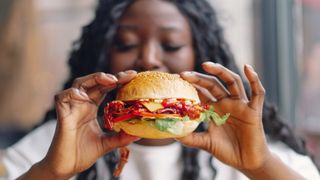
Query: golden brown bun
point(157, 85)
point(145, 130)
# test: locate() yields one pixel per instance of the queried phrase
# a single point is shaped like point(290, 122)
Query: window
point(308, 107)
point(291, 63)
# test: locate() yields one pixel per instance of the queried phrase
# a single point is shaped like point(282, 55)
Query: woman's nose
point(150, 57)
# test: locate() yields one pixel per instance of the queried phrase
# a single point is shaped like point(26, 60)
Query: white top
point(145, 162)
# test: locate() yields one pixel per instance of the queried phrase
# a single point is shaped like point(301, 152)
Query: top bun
point(157, 85)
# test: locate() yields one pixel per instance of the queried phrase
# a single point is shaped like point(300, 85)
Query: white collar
point(153, 162)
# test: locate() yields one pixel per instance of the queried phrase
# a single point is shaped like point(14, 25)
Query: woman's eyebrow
point(170, 29)
point(128, 27)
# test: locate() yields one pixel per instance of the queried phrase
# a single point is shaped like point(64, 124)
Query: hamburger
point(158, 105)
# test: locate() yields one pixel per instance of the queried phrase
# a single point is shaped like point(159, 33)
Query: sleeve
point(18, 158)
point(300, 163)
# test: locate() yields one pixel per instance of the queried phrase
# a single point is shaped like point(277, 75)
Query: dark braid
point(91, 54)
point(112, 160)
point(191, 167)
point(209, 45)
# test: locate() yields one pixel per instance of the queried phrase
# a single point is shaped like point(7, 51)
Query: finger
point(96, 85)
point(210, 83)
point(196, 140)
point(64, 100)
point(92, 80)
point(232, 80)
point(204, 95)
point(119, 140)
point(98, 93)
point(126, 76)
point(257, 90)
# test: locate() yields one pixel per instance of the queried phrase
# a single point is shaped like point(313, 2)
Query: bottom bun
point(150, 131)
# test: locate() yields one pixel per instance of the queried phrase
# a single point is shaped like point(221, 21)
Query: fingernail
point(209, 63)
point(250, 67)
point(112, 77)
point(121, 74)
point(130, 72)
point(187, 73)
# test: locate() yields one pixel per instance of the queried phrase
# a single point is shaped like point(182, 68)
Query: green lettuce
point(174, 126)
point(213, 116)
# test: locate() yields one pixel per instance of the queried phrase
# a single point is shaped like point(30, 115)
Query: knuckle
point(73, 90)
point(214, 79)
point(231, 82)
point(213, 88)
point(263, 91)
point(57, 97)
point(197, 80)
point(77, 81)
point(221, 71)
point(237, 77)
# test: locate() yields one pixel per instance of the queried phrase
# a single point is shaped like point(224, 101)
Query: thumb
point(119, 140)
point(196, 140)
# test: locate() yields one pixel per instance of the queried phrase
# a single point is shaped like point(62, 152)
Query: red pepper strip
point(123, 118)
point(124, 155)
point(147, 114)
point(107, 123)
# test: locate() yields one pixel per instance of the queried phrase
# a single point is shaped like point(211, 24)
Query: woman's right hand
point(240, 142)
point(78, 141)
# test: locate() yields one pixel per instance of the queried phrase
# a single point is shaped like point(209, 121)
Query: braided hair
point(90, 54)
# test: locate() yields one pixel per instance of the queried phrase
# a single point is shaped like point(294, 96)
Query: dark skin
point(240, 143)
point(157, 39)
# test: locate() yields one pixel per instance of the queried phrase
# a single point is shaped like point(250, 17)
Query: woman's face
point(153, 35)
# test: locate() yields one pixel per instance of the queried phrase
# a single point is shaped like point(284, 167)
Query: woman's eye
point(171, 48)
point(123, 47)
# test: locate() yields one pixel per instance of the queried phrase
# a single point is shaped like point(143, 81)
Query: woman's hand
point(78, 141)
point(240, 142)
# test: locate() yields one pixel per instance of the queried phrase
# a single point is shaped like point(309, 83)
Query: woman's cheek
point(183, 60)
point(122, 61)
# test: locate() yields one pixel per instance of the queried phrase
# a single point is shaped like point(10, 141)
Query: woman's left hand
point(78, 141)
point(240, 142)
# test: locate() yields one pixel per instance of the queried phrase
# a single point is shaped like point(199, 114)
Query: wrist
point(256, 172)
point(272, 168)
point(41, 171)
point(49, 172)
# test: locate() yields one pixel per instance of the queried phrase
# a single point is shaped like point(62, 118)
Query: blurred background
point(280, 38)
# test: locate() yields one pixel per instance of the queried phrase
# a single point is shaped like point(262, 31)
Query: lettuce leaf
point(174, 126)
point(213, 116)
point(165, 124)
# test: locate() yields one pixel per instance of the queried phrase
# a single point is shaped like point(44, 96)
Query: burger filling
point(166, 114)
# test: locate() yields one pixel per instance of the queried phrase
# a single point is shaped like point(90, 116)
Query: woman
point(173, 36)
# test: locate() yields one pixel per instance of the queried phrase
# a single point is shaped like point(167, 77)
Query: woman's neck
point(155, 142)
